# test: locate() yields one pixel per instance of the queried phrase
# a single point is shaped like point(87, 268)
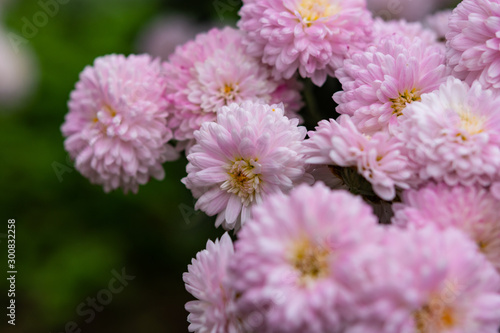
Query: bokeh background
point(70, 234)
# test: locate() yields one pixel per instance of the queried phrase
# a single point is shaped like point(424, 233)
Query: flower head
point(379, 83)
point(379, 159)
point(251, 151)
point(116, 128)
point(453, 134)
point(213, 311)
point(311, 36)
point(425, 281)
point(473, 42)
point(473, 210)
point(214, 71)
point(287, 254)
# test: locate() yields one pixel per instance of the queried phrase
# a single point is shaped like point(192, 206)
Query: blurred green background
point(70, 234)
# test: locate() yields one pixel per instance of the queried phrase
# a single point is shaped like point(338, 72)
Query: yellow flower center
point(243, 179)
point(312, 10)
point(435, 317)
point(482, 245)
point(406, 97)
point(109, 110)
point(229, 92)
point(470, 122)
point(311, 260)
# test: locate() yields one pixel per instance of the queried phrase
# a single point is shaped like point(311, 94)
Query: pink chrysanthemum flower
point(214, 71)
point(471, 209)
point(251, 151)
point(311, 36)
point(474, 43)
point(116, 128)
point(384, 29)
point(379, 83)
point(213, 311)
point(438, 22)
point(425, 281)
point(453, 135)
point(287, 254)
point(378, 159)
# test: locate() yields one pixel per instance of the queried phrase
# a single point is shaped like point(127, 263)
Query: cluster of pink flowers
point(381, 219)
point(316, 260)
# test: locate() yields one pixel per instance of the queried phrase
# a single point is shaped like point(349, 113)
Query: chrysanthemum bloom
point(214, 71)
point(287, 253)
point(471, 209)
point(453, 135)
point(116, 128)
point(311, 36)
point(438, 22)
point(251, 151)
point(425, 281)
point(383, 29)
point(379, 159)
point(379, 83)
point(473, 42)
point(213, 311)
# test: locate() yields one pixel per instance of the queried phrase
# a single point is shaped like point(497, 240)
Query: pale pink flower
point(473, 210)
point(379, 159)
point(116, 128)
point(453, 135)
point(425, 281)
point(213, 71)
point(379, 83)
point(311, 36)
point(251, 151)
point(213, 311)
point(287, 253)
point(474, 43)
